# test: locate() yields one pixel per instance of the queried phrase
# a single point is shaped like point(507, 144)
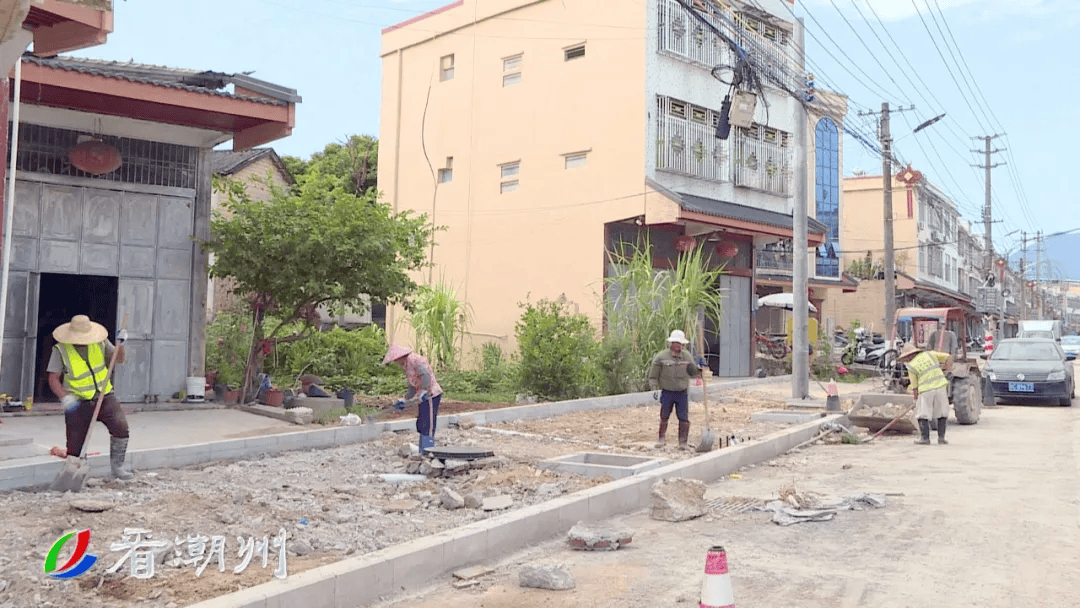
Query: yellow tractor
point(947, 328)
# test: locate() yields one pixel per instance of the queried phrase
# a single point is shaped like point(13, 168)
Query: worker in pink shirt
point(424, 390)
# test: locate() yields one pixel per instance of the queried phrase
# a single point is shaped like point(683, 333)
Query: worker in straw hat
point(669, 378)
point(424, 390)
point(81, 358)
point(926, 371)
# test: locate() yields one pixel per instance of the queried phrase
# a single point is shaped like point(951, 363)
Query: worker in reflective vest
point(926, 371)
point(78, 373)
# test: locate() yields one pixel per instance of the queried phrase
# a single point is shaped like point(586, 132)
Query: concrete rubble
point(556, 577)
point(678, 499)
point(595, 536)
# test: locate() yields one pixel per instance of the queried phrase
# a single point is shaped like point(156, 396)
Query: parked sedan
point(1071, 345)
point(1023, 369)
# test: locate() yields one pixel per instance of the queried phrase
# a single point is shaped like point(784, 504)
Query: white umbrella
point(782, 300)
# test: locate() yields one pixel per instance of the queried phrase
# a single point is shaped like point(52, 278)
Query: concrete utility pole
point(800, 321)
point(1023, 277)
point(987, 218)
point(1038, 274)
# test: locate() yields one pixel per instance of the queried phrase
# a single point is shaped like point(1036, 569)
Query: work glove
point(656, 395)
point(121, 336)
point(70, 402)
point(399, 404)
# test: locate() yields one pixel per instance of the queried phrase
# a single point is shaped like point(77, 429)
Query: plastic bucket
point(196, 388)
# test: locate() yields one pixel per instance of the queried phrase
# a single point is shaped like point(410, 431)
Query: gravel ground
point(331, 503)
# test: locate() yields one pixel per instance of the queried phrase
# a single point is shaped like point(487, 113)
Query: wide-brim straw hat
point(678, 336)
point(80, 330)
point(395, 352)
point(909, 351)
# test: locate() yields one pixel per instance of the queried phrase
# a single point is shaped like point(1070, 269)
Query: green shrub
point(556, 349)
point(341, 358)
point(617, 368)
point(228, 342)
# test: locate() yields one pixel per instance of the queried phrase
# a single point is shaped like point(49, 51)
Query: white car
point(1071, 344)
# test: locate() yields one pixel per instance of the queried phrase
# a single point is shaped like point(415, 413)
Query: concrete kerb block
point(187, 455)
point(624, 495)
point(228, 449)
point(466, 545)
point(252, 597)
point(146, 460)
point(416, 562)
point(360, 581)
point(315, 587)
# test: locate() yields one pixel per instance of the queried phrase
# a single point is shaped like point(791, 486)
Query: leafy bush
point(617, 368)
point(556, 348)
point(228, 342)
point(341, 358)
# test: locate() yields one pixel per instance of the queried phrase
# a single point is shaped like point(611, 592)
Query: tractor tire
point(967, 400)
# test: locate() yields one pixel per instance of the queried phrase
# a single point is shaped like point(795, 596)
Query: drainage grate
point(731, 505)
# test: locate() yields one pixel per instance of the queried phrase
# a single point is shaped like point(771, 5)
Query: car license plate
point(1021, 387)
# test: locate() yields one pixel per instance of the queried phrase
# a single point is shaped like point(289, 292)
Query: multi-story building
point(542, 134)
point(936, 259)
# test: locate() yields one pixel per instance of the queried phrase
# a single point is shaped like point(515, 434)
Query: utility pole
point(800, 321)
point(1038, 273)
point(1023, 277)
point(885, 138)
point(988, 233)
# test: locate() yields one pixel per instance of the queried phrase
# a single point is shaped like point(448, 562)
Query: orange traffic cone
point(716, 588)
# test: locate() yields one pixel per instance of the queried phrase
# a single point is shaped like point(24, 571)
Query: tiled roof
point(734, 211)
point(229, 162)
point(207, 82)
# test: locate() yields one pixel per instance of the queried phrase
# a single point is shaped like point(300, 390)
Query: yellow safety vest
point(928, 371)
point(84, 376)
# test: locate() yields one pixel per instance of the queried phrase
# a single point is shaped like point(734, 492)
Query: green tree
point(319, 243)
point(354, 161)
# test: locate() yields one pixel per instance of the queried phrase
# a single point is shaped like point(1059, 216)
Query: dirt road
point(993, 519)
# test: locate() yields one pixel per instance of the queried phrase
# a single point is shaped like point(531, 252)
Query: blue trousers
point(428, 416)
point(677, 399)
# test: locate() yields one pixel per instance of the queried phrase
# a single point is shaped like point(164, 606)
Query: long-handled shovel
point(72, 477)
point(707, 437)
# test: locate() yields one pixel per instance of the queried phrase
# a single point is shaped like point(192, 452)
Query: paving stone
point(585, 536)
point(497, 503)
point(473, 572)
point(678, 499)
point(556, 577)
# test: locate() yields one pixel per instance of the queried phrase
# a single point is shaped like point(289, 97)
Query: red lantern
point(95, 157)
point(727, 249)
point(685, 243)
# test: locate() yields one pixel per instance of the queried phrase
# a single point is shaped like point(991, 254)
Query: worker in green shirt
point(669, 378)
point(926, 371)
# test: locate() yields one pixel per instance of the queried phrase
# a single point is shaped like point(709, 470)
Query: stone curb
point(411, 566)
point(43, 469)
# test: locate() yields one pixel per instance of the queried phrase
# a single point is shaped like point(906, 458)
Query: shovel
point(707, 437)
point(72, 477)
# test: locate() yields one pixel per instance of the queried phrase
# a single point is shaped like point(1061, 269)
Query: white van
point(1040, 329)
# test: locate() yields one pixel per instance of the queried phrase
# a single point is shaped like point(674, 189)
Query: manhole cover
point(461, 453)
point(732, 505)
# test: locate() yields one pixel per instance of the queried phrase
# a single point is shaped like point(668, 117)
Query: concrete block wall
point(411, 566)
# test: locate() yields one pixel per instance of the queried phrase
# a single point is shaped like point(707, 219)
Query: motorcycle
point(870, 349)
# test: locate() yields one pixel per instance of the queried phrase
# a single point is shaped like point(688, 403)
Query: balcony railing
point(762, 165)
point(687, 144)
point(775, 260)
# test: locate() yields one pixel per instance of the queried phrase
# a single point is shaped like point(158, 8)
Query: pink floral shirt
point(420, 377)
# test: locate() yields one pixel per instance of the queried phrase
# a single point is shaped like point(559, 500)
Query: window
point(446, 174)
point(512, 70)
point(446, 68)
point(508, 173)
point(574, 52)
point(575, 160)
point(686, 141)
point(827, 191)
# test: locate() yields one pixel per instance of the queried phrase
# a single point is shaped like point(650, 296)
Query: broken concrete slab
point(474, 500)
point(473, 572)
point(465, 584)
point(402, 506)
point(595, 536)
point(497, 503)
point(449, 499)
point(678, 499)
point(91, 506)
point(556, 577)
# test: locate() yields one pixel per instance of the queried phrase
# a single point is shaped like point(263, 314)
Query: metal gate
point(139, 233)
point(733, 335)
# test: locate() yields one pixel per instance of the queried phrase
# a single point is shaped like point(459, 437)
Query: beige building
point(540, 134)
point(252, 168)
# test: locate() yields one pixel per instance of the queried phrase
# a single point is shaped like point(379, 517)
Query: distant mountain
point(1061, 256)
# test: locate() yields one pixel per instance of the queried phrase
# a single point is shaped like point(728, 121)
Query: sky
point(989, 65)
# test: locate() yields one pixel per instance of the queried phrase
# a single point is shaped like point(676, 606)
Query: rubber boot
point(663, 432)
point(117, 452)
point(426, 443)
point(941, 424)
point(684, 434)
point(924, 430)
